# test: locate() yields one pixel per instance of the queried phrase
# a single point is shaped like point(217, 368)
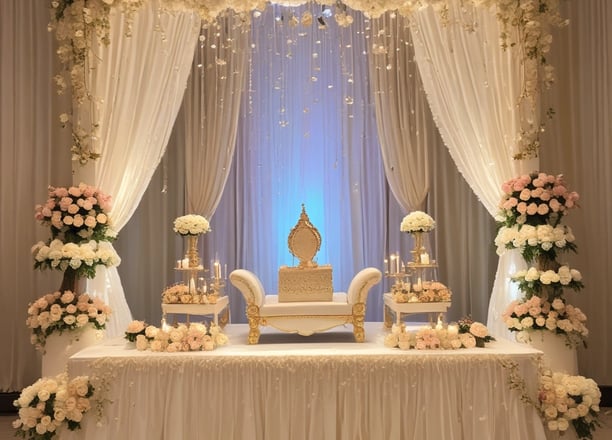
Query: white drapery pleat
point(140, 81)
point(212, 109)
point(402, 112)
point(473, 87)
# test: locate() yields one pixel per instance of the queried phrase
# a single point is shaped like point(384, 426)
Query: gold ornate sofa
point(305, 318)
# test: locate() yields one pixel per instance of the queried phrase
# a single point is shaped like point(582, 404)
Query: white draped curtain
point(212, 109)
point(402, 111)
point(138, 83)
point(473, 87)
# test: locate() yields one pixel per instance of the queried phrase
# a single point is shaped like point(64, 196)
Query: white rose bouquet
point(52, 404)
point(566, 400)
point(191, 225)
point(534, 281)
point(81, 258)
point(417, 221)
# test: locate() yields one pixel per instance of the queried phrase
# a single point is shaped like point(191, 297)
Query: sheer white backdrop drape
point(402, 111)
point(140, 81)
point(473, 87)
point(212, 109)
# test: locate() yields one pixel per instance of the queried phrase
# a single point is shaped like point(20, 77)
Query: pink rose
point(518, 185)
point(559, 190)
point(543, 209)
point(525, 194)
point(554, 205)
point(64, 203)
point(521, 207)
point(74, 191)
point(532, 209)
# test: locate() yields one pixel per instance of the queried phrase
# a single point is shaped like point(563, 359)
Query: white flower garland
point(82, 257)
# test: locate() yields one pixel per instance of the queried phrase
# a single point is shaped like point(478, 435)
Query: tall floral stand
point(59, 347)
point(557, 355)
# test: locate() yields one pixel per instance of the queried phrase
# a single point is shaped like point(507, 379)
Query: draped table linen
point(320, 387)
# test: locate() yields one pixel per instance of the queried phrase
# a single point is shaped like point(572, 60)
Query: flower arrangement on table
point(465, 334)
point(64, 311)
point(52, 404)
point(180, 294)
point(428, 291)
point(566, 400)
point(191, 337)
point(417, 221)
point(191, 224)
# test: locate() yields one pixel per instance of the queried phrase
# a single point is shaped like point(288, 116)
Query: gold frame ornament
point(304, 241)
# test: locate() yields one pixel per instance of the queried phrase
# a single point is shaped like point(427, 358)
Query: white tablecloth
point(320, 387)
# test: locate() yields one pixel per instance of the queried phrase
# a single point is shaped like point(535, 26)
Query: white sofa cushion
point(338, 306)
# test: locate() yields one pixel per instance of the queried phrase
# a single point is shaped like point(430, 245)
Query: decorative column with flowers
point(530, 219)
point(64, 321)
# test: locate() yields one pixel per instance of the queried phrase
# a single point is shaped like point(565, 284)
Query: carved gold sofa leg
point(253, 317)
point(358, 321)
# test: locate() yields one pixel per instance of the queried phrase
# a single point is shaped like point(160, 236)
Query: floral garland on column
point(81, 233)
point(531, 215)
point(78, 23)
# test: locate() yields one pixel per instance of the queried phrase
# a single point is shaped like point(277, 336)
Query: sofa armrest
point(362, 283)
point(249, 285)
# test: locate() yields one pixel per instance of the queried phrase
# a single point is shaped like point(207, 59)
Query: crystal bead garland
point(192, 251)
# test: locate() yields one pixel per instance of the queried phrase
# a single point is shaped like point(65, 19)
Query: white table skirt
point(320, 387)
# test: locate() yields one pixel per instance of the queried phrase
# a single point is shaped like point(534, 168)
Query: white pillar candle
point(185, 263)
point(425, 258)
point(217, 270)
point(453, 329)
point(392, 257)
point(386, 264)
